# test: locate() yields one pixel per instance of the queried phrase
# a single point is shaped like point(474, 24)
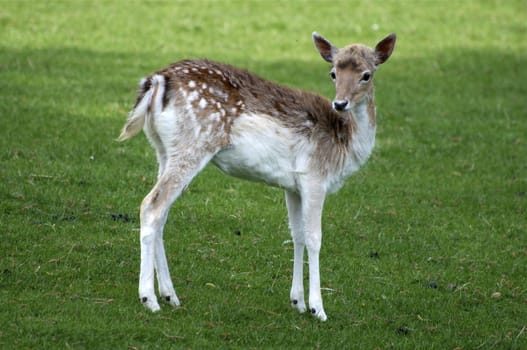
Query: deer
point(194, 112)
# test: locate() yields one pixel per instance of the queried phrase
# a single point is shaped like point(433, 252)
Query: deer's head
point(353, 68)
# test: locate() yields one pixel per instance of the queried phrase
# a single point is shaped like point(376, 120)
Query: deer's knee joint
point(313, 244)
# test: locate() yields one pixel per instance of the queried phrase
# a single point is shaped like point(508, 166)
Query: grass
point(423, 248)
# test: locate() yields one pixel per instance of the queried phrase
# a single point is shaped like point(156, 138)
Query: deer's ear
point(324, 47)
point(384, 49)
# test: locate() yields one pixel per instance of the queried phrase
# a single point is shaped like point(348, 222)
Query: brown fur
point(306, 113)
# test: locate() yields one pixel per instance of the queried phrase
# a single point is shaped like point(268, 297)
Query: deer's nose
point(340, 105)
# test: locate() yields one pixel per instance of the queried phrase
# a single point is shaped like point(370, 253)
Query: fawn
point(197, 111)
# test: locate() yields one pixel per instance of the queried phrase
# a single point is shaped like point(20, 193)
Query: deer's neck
point(359, 144)
point(363, 137)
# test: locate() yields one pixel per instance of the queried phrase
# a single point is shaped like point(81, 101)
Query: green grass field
point(424, 248)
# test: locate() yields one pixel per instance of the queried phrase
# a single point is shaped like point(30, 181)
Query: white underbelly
point(262, 150)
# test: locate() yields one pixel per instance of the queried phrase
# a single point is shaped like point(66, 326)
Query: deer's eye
point(366, 76)
point(333, 75)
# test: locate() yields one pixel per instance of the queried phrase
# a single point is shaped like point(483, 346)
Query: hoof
point(171, 300)
point(299, 305)
point(320, 314)
point(150, 303)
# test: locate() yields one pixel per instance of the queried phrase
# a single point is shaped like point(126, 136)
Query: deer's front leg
point(312, 204)
point(294, 211)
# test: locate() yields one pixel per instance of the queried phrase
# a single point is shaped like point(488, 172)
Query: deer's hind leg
point(165, 286)
point(182, 165)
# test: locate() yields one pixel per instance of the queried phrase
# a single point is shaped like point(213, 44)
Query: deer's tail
point(144, 105)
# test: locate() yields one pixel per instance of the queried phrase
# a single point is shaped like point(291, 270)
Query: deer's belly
point(260, 150)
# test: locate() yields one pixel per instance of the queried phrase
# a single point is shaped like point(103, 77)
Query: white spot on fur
point(183, 93)
point(214, 117)
point(193, 96)
point(209, 129)
point(202, 103)
point(192, 84)
point(197, 132)
point(219, 93)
